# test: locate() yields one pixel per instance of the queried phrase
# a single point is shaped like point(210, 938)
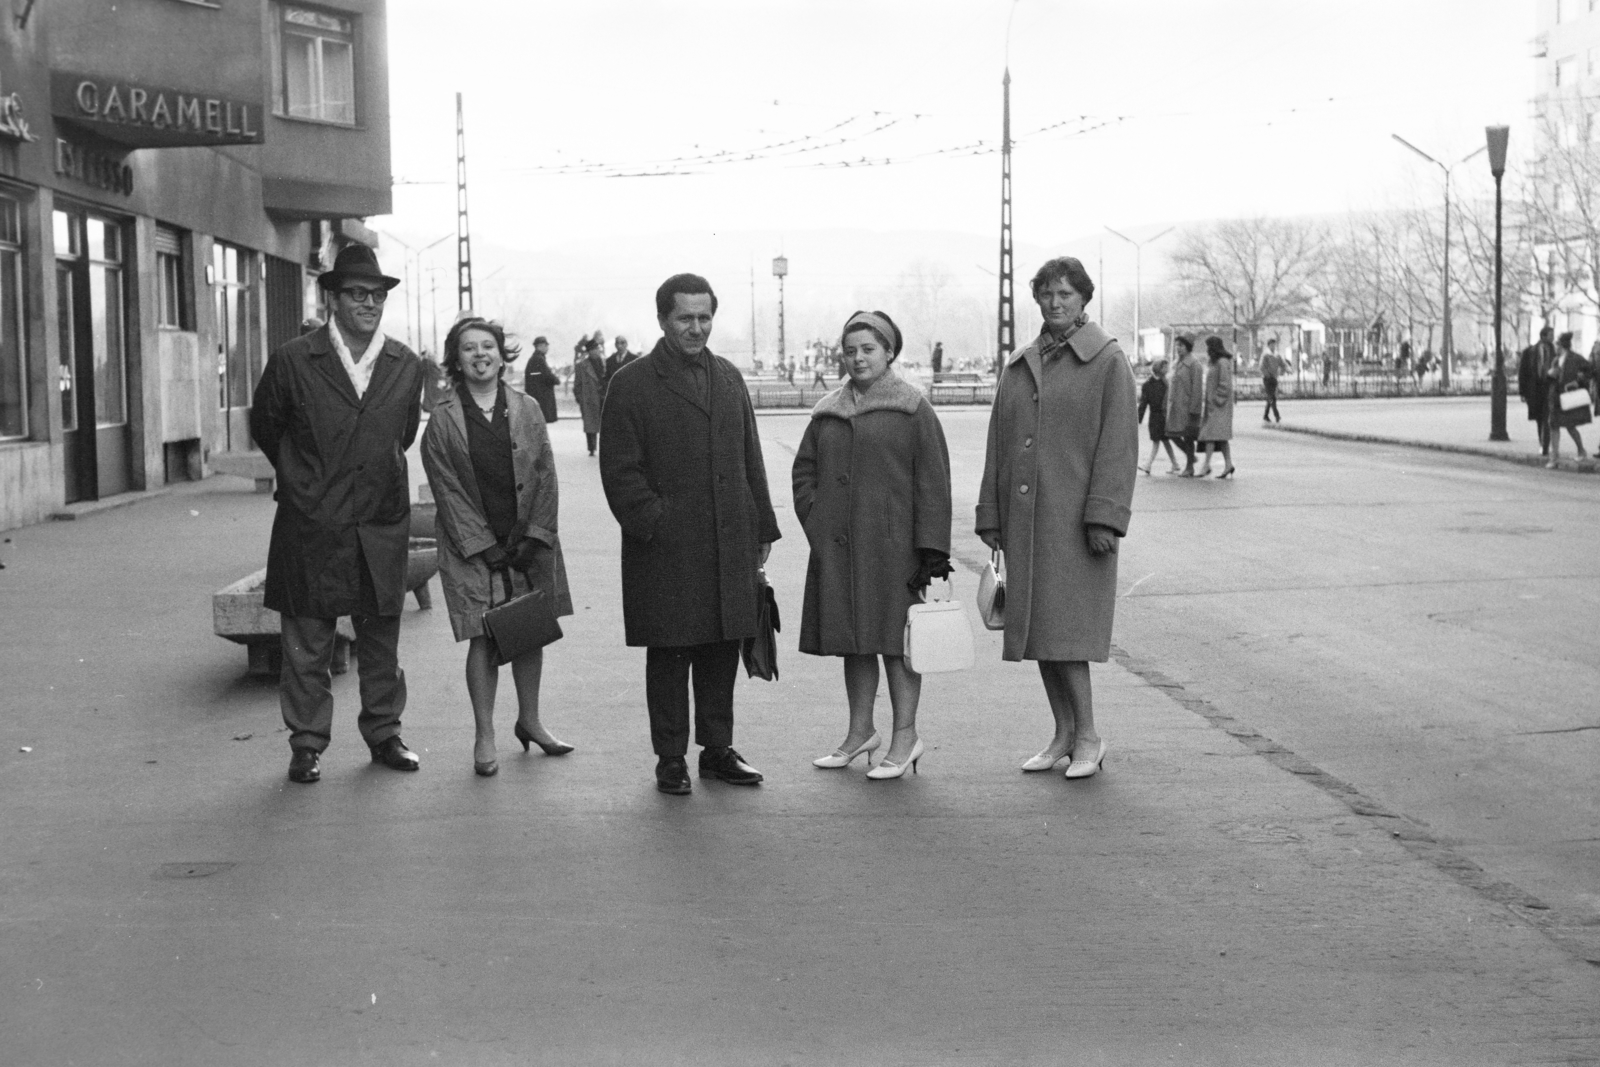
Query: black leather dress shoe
point(303, 766)
point(729, 766)
point(672, 776)
point(394, 754)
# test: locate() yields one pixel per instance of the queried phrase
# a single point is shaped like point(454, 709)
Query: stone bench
point(239, 613)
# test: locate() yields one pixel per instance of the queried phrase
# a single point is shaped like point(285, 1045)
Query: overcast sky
point(1128, 113)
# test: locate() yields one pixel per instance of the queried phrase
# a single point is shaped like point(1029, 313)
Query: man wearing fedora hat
point(334, 412)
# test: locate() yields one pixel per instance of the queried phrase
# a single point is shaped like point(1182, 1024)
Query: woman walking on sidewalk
point(1186, 400)
point(1216, 429)
point(1569, 372)
point(493, 476)
point(1057, 493)
point(872, 491)
point(1153, 398)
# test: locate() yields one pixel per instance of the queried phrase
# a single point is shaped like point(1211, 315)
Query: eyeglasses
point(358, 295)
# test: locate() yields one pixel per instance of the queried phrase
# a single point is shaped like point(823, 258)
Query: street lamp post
point(780, 270)
point(1497, 137)
point(1446, 341)
point(1138, 281)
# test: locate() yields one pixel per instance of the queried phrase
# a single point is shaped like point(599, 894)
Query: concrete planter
point(239, 613)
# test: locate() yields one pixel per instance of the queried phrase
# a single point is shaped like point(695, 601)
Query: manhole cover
point(191, 870)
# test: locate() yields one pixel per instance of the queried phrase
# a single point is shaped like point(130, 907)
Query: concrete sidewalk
point(1446, 424)
point(170, 898)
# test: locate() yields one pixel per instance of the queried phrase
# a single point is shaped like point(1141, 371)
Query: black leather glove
point(934, 564)
point(526, 552)
point(495, 557)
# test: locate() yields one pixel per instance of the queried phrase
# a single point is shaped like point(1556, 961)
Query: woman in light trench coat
point(1057, 493)
point(488, 459)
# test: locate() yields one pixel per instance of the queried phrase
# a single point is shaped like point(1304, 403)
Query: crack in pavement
point(1412, 835)
point(1563, 730)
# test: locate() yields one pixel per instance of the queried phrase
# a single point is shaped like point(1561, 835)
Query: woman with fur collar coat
point(872, 490)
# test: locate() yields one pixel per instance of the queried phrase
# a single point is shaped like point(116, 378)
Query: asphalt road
point(1276, 867)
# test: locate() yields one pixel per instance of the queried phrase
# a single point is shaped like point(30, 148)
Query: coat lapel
point(328, 364)
point(679, 380)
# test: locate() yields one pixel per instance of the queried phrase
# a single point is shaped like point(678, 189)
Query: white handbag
point(1574, 397)
point(938, 636)
point(992, 592)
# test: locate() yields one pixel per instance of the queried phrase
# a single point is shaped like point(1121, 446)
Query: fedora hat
point(355, 263)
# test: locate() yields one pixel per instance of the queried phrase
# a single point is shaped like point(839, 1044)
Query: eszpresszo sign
point(93, 167)
point(151, 116)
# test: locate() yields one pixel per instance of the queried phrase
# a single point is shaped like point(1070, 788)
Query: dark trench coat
point(871, 487)
point(540, 382)
point(343, 494)
point(686, 482)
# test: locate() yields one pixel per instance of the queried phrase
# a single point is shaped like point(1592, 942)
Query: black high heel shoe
point(555, 748)
point(1227, 473)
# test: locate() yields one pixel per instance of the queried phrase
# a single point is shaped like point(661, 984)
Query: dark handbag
point(760, 653)
point(520, 624)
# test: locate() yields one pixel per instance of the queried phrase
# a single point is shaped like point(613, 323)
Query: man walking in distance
point(1272, 367)
point(1533, 386)
point(1186, 401)
point(617, 360)
point(335, 412)
point(682, 470)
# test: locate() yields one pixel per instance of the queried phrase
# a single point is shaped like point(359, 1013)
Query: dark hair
point(1185, 340)
point(688, 285)
point(1067, 267)
point(452, 346)
point(893, 344)
point(1214, 349)
point(1564, 340)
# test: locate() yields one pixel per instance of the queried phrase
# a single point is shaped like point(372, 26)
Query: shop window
point(313, 64)
point(13, 359)
point(1566, 72)
point(236, 277)
point(173, 305)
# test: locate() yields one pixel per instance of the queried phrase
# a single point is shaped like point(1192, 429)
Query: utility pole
point(1005, 339)
point(1497, 137)
point(1138, 284)
point(1446, 340)
point(780, 269)
point(463, 234)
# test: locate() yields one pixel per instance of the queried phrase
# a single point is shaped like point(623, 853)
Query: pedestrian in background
point(680, 461)
point(1533, 383)
point(1272, 367)
point(1568, 370)
point(1057, 493)
point(1186, 400)
point(872, 492)
point(588, 388)
point(488, 459)
point(539, 381)
point(617, 360)
point(1153, 398)
point(1216, 427)
point(334, 412)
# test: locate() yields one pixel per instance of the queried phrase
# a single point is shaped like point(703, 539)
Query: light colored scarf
point(360, 370)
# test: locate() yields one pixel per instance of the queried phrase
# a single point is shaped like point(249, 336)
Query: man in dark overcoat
point(539, 381)
point(1534, 387)
point(335, 412)
point(682, 470)
point(618, 359)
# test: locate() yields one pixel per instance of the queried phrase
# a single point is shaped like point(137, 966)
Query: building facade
point(173, 175)
point(1564, 202)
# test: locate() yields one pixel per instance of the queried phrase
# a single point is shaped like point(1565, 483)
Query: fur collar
point(889, 393)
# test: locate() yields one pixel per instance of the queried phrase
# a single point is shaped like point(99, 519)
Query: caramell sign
point(150, 116)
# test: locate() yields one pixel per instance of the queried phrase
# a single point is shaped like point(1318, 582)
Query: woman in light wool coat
point(1057, 493)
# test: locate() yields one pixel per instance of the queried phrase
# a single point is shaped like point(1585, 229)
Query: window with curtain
point(313, 64)
point(13, 360)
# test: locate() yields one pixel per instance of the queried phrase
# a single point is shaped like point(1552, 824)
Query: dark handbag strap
point(505, 578)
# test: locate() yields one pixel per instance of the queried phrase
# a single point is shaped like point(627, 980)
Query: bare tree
point(1253, 271)
point(1563, 199)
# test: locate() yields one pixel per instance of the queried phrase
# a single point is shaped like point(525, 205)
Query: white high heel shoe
point(1084, 767)
point(885, 769)
point(841, 758)
point(1045, 762)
